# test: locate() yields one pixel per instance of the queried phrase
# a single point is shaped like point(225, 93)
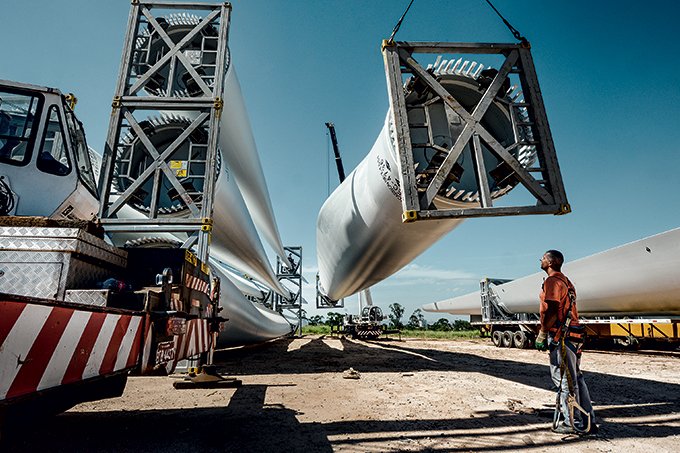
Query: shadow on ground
point(248, 424)
point(645, 397)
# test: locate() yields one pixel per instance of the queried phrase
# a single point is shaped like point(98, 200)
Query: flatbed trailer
point(624, 331)
point(519, 330)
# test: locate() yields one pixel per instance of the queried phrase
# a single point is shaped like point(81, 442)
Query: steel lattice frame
point(292, 273)
point(417, 205)
point(129, 99)
point(323, 302)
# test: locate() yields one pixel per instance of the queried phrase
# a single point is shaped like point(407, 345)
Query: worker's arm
point(548, 315)
point(548, 318)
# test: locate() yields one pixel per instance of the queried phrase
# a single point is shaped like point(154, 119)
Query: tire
point(629, 342)
point(506, 340)
point(497, 338)
point(520, 340)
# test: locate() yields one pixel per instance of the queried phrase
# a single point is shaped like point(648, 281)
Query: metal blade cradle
point(457, 138)
point(528, 120)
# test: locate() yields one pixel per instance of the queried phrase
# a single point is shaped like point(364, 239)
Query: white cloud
point(414, 273)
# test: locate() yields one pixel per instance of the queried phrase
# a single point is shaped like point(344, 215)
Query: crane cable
point(512, 29)
point(401, 19)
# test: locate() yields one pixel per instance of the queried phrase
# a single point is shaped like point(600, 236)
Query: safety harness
point(564, 333)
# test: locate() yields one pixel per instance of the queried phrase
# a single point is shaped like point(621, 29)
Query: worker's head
point(552, 259)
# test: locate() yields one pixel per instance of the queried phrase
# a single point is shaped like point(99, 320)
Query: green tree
point(395, 317)
point(416, 320)
point(334, 319)
point(316, 320)
point(460, 324)
point(441, 324)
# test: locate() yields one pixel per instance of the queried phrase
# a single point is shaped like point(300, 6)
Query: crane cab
point(45, 166)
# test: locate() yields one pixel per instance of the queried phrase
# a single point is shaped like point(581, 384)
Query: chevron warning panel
point(43, 346)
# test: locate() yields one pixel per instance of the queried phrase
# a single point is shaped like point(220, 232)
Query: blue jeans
point(559, 378)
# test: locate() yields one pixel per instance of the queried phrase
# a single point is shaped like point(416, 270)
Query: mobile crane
point(77, 313)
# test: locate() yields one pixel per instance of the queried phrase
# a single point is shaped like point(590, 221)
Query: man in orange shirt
point(560, 333)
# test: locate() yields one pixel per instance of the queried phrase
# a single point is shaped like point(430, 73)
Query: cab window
point(17, 126)
point(53, 155)
point(82, 154)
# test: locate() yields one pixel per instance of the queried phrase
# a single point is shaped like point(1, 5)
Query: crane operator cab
point(45, 166)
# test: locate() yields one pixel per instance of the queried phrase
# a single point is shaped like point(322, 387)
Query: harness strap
point(559, 331)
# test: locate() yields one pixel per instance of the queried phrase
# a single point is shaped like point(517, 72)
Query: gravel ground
point(409, 395)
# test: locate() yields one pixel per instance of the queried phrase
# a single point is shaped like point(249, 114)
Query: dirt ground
point(411, 395)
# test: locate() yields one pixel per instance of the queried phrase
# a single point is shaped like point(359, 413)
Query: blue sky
point(609, 72)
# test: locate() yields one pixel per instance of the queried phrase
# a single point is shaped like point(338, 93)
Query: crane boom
point(365, 298)
point(336, 151)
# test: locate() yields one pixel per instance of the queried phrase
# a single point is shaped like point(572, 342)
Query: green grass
point(429, 334)
point(316, 330)
point(440, 335)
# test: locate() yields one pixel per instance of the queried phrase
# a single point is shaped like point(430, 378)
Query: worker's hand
point(542, 341)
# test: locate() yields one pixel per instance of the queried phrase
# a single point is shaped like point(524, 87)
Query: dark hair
point(557, 258)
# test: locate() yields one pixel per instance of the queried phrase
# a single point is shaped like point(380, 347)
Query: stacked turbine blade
point(249, 322)
point(638, 278)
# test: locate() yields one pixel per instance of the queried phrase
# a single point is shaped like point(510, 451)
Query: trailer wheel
point(506, 340)
point(520, 340)
point(497, 338)
point(629, 342)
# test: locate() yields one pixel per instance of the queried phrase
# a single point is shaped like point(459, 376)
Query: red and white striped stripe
point(176, 304)
point(194, 342)
point(197, 284)
point(43, 346)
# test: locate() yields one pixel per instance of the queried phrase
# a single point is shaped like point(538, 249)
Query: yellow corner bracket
point(218, 105)
point(71, 100)
point(387, 43)
point(409, 216)
point(564, 209)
